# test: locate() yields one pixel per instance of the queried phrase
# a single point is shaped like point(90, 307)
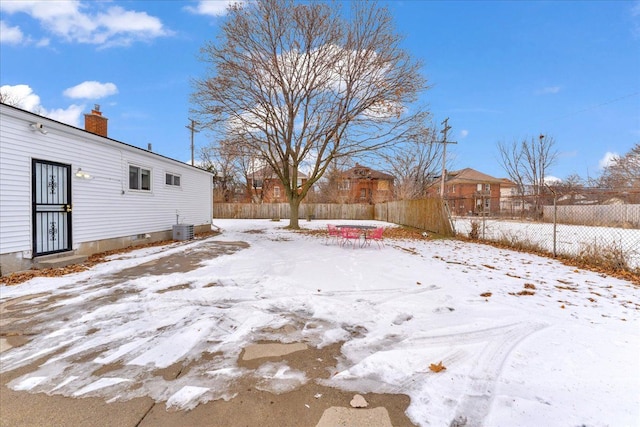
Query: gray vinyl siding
point(103, 206)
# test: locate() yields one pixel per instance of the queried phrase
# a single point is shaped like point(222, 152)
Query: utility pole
point(192, 127)
point(444, 143)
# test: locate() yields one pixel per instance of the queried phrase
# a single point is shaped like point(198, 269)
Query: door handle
point(67, 208)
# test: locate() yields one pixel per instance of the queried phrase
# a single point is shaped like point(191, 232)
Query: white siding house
point(65, 190)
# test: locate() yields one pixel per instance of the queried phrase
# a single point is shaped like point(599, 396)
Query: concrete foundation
point(18, 261)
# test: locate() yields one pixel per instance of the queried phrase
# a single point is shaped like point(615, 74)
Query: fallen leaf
point(437, 368)
point(523, 293)
point(486, 294)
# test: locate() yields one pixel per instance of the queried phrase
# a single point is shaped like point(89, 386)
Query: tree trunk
point(294, 208)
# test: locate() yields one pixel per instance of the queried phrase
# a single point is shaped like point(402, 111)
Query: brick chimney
point(95, 123)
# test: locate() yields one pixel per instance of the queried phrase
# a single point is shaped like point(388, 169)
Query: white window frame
point(140, 170)
point(276, 192)
point(172, 180)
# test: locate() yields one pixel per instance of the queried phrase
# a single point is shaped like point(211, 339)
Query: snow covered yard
point(570, 239)
point(525, 340)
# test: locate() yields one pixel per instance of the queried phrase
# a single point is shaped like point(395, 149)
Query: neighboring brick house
point(361, 184)
point(470, 192)
point(266, 187)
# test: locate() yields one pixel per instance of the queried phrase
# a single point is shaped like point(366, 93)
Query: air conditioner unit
point(183, 232)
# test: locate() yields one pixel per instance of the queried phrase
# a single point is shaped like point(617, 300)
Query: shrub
point(474, 233)
point(609, 256)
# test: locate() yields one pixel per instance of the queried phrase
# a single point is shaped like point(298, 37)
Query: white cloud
point(549, 90)
point(23, 96)
point(464, 133)
point(608, 159)
point(89, 23)
point(10, 35)
point(91, 90)
point(70, 115)
point(213, 7)
point(550, 179)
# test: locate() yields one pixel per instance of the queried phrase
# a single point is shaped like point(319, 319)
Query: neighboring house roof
point(471, 176)
point(267, 172)
point(363, 172)
point(507, 183)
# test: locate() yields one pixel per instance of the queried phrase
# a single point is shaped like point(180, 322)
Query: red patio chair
point(350, 234)
point(376, 236)
point(332, 233)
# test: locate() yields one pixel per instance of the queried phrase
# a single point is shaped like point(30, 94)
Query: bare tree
point(301, 86)
point(527, 162)
point(623, 173)
point(511, 159)
point(8, 98)
point(568, 189)
point(225, 167)
point(328, 189)
point(415, 165)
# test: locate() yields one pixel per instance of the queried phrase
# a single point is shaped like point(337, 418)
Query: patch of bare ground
point(23, 276)
point(304, 405)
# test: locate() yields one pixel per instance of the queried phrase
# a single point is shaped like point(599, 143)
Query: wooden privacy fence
point(427, 214)
point(282, 211)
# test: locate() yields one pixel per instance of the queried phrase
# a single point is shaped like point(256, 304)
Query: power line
point(611, 101)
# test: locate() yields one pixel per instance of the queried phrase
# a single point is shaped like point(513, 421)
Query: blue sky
point(500, 71)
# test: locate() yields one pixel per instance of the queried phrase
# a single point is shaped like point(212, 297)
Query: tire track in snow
point(476, 403)
point(474, 406)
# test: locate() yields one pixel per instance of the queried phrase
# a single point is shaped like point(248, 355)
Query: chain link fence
point(606, 235)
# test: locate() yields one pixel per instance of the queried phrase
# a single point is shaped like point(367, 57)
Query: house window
point(171, 179)
point(383, 185)
point(363, 193)
point(453, 188)
point(344, 185)
point(479, 187)
point(487, 187)
point(139, 178)
point(276, 192)
point(257, 183)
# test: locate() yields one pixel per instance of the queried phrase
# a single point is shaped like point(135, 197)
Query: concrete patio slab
point(4, 345)
point(258, 351)
point(338, 416)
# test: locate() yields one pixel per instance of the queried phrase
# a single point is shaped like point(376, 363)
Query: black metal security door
point(51, 196)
